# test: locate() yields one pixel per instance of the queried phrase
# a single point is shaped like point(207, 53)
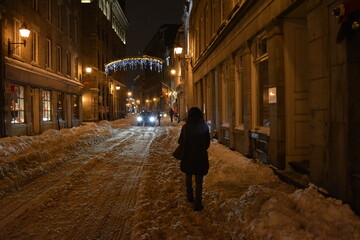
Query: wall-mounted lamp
point(173, 71)
point(24, 33)
point(88, 69)
point(178, 50)
point(117, 88)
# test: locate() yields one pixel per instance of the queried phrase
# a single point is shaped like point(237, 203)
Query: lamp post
point(24, 33)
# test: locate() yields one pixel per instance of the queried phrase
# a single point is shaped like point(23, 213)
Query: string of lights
point(135, 63)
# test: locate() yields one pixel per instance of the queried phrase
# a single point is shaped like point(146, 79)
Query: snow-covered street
point(114, 180)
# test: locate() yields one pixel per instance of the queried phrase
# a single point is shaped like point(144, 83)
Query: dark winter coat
point(197, 140)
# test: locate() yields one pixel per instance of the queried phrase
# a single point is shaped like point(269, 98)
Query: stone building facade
point(40, 80)
point(157, 84)
point(104, 33)
point(274, 84)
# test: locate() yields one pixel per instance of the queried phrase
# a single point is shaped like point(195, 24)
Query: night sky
point(145, 17)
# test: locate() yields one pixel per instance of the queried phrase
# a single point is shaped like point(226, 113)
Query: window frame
point(46, 105)
point(59, 15)
point(68, 63)
point(35, 5)
point(262, 57)
point(35, 47)
point(48, 10)
point(48, 53)
point(17, 38)
point(59, 59)
point(20, 98)
point(239, 91)
point(225, 93)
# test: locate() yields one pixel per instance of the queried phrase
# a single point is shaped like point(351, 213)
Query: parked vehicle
point(146, 118)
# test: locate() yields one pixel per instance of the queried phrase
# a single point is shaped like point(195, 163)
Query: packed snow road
point(114, 180)
point(89, 197)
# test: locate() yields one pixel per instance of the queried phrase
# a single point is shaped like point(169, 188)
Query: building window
point(48, 54)
point(60, 106)
point(48, 10)
point(35, 5)
point(46, 105)
point(68, 23)
point(75, 31)
point(68, 64)
point(262, 68)
point(239, 91)
point(35, 47)
point(59, 15)
point(223, 10)
point(17, 104)
point(225, 93)
point(75, 107)
point(17, 38)
point(58, 59)
point(76, 61)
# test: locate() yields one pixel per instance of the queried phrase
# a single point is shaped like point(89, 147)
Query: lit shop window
point(46, 104)
point(85, 1)
point(17, 104)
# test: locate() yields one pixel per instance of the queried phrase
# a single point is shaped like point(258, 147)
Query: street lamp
point(178, 50)
point(88, 69)
point(117, 88)
point(173, 71)
point(24, 33)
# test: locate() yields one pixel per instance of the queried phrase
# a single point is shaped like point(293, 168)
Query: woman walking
point(196, 137)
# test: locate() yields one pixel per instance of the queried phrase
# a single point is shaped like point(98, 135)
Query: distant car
point(163, 115)
point(146, 118)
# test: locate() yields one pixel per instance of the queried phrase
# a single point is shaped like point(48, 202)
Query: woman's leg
point(189, 188)
point(198, 197)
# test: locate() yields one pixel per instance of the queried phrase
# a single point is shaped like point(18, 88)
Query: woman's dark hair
point(195, 115)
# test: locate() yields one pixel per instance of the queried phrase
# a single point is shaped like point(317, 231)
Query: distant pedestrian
point(171, 113)
point(196, 138)
point(159, 116)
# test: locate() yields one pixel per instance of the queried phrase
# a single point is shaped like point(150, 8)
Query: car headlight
point(152, 119)
point(139, 119)
point(165, 115)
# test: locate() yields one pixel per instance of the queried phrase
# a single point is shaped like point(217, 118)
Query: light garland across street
point(134, 63)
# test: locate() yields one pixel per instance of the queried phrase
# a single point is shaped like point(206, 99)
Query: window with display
point(46, 105)
point(17, 104)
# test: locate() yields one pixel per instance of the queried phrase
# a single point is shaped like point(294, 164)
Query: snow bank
point(26, 157)
point(243, 199)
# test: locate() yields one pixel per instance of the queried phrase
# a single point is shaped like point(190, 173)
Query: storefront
point(37, 100)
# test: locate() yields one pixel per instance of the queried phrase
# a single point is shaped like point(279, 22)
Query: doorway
point(297, 114)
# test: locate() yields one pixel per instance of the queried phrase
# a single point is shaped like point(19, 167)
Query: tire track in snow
point(63, 186)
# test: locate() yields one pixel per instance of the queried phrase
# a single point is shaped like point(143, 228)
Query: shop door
point(296, 92)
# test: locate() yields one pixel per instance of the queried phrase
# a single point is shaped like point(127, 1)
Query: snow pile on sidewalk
point(26, 157)
point(243, 200)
